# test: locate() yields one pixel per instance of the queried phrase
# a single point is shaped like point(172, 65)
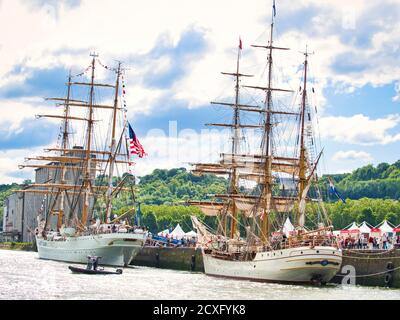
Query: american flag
point(134, 145)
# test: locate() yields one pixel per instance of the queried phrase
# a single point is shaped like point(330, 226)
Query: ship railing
point(313, 242)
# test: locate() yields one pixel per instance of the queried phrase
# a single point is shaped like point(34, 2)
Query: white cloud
point(9, 161)
point(14, 112)
point(63, 36)
point(360, 129)
point(352, 155)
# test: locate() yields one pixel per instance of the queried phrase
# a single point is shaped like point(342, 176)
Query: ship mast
point(236, 126)
point(266, 182)
point(64, 146)
point(229, 165)
point(302, 158)
point(267, 190)
point(112, 149)
point(235, 148)
point(87, 184)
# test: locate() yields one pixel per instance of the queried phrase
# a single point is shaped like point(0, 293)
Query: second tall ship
point(78, 179)
point(251, 241)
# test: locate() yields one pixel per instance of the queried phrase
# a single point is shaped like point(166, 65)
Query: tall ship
point(81, 178)
point(268, 187)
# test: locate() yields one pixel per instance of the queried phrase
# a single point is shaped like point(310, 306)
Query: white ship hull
point(115, 249)
point(293, 265)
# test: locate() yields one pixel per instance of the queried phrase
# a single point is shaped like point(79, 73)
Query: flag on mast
point(333, 189)
point(240, 44)
point(134, 145)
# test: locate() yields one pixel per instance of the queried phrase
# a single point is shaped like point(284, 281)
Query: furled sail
point(249, 204)
point(209, 208)
point(302, 203)
point(256, 163)
point(247, 207)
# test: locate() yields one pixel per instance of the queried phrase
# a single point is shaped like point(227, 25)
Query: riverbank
point(20, 246)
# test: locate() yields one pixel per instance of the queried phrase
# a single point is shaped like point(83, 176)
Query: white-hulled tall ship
point(81, 182)
point(251, 242)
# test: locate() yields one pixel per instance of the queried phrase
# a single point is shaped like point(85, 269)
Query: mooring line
point(367, 275)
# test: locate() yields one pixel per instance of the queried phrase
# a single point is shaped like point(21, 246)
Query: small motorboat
point(97, 271)
point(92, 267)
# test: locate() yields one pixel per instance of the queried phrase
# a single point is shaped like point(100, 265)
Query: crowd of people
point(367, 241)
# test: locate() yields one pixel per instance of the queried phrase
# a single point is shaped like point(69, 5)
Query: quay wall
point(370, 268)
point(23, 246)
point(181, 258)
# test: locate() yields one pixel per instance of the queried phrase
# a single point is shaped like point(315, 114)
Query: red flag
point(240, 43)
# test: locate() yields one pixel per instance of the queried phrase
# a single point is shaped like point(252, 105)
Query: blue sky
point(175, 55)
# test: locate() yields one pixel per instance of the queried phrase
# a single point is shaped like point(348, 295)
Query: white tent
point(385, 227)
point(353, 227)
point(163, 233)
point(177, 233)
point(191, 234)
point(287, 227)
point(364, 228)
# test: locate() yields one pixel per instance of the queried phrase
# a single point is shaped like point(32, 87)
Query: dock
point(370, 268)
point(176, 258)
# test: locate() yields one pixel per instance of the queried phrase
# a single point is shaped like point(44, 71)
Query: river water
point(24, 276)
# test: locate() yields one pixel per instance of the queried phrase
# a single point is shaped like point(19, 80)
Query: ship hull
point(115, 249)
point(300, 265)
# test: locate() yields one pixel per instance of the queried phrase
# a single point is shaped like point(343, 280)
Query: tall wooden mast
point(64, 146)
point(302, 158)
point(267, 190)
point(235, 148)
point(112, 148)
point(266, 181)
point(236, 127)
point(87, 183)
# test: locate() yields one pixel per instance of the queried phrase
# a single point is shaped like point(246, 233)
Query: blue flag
point(333, 189)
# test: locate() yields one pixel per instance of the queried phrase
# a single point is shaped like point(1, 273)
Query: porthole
point(317, 251)
point(301, 252)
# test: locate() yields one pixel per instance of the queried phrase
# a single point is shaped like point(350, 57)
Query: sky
point(174, 51)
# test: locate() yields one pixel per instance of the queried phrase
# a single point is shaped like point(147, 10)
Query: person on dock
point(371, 242)
point(364, 242)
point(384, 242)
point(359, 245)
